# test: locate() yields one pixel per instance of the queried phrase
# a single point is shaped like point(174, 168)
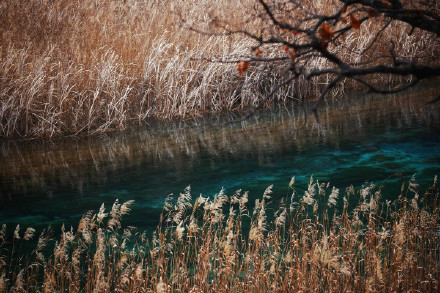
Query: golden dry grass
point(327, 240)
point(88, 66)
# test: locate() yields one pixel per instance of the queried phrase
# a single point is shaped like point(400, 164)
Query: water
point(384, 140)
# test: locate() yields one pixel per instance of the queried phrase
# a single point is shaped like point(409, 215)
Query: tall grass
point(80, 164)
point(88, 66)
point(327, 240)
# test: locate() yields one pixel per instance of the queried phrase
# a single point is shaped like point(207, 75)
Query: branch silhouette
point(311, 33)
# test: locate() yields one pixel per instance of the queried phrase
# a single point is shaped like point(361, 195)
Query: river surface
point(380, 139)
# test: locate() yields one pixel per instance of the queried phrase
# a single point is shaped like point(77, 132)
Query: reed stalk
point(328, 239)
point(89, 66)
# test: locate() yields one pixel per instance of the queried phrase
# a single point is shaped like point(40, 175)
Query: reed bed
point(92, 66)
point(89, 66)
point(325, 240)
point(80, 164)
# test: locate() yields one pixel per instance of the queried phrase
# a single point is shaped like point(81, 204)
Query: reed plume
point(222, 243)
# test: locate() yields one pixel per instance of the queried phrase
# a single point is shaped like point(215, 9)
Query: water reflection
point(36, 167)
point(149, 163)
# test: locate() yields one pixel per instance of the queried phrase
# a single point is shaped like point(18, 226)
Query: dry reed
point(328, 240)
point(88, 66)
point(80, 164)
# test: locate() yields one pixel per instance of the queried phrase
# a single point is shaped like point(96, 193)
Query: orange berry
point(292, 56)
point(242, 66)
point(354, 22)
point(325, 33)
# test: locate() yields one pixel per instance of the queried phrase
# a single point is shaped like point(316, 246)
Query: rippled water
point(381, 139)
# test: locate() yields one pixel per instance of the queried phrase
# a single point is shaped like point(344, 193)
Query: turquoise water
point(385, 140)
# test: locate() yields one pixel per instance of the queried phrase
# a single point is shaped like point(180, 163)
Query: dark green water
point(381, 139)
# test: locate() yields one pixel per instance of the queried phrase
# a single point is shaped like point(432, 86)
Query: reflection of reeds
point(218, 244)
point(32, 167)
point(89, 66)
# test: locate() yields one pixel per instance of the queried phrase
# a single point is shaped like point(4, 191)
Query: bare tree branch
point(320, 43)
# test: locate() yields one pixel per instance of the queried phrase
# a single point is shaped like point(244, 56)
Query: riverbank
point(385, 140)
point(325, 239)
point(89, 66)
